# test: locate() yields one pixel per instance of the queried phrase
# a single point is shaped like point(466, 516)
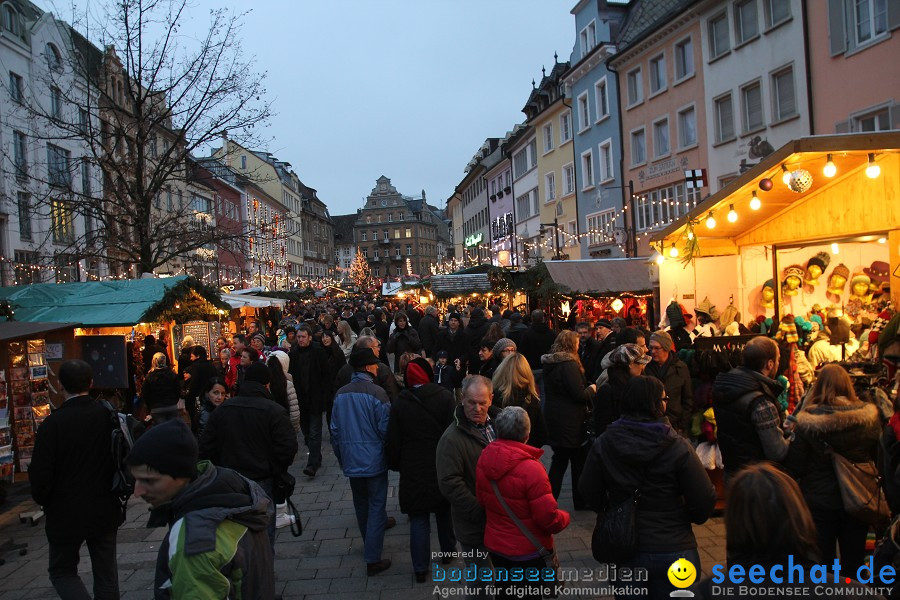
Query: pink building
point(661, 91)
point(853, 65)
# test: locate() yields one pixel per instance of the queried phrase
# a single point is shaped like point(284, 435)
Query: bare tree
point(141, 107)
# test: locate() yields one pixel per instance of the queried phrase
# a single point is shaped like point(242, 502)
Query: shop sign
point(666, 167)
point(474, 240)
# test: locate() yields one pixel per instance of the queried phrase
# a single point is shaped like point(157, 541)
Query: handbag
point(861, 492)
point(549, 556)
point(615, 534)
point(283, 486)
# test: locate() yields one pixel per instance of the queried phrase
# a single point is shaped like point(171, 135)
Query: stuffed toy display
point(793, 279)
point(815, 267)
point(838, 280)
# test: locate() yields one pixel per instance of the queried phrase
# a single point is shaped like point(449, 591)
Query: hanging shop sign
point(474, 240)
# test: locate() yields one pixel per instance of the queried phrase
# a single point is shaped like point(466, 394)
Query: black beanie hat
point(169, 448)
point(258, 372)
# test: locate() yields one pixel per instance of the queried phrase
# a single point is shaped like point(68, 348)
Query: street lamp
point(555, 226)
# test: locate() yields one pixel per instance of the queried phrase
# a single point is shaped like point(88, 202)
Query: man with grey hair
point(385, 377)
point(429, 327)
point(457, 457)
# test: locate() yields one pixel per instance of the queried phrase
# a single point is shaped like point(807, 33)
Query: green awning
point(111, 303)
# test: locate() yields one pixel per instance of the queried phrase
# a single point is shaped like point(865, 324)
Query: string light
point(785, 175)
point(882, 240)
point(673, 251)
point(830, 170)
point(732, 214)
point(710, 221)
point(872, 170)
point(755, 202)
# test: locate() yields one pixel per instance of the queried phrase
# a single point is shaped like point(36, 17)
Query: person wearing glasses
point(674, 375)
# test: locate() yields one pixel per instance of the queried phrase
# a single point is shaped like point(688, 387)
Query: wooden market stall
point(789, 236)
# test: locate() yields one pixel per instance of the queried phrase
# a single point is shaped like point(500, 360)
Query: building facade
point(592, 93)
point(344, 244)
point(473, 191)
point(661, 91)
point(397, 234)
point(521, 151)
point(503, 226)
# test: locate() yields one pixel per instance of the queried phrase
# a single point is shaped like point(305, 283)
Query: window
point(687, 128)
point(784, 104)
point(364, 236)
point(873, 121)
point(243, 162)
point(584, 112)
point(376, 271)
point(56, 103)
point(549, 187)
point(375, 253)
point(384, 234)
point(719, 42)
point(600, 227)
point(565, 127)
point(20, 155)
point(638, 147)
point(588, 38)
point(54, 60)
point(777, 11)
point(606, 161)
point(870, 17)
point(548, 137)
point(520, 162)
point(635, 87)
point(16, 88)
point(24, 206)
point(86, 177)
point(661, 138)
point(62, 225)
point(201, 204)
point(396, 232)
point(408, 232)
point(24, 260)
point(663, 205)
point(601, 98)
point(568, 179)
point(684, 59)
point(751, 107)
point(84, 123)
point(365, 252)
point(409, 249)
point(397, 251)
point(58, 172)
point(657, 74)
point(523, 206)
point(532, 154)
point(746, 22)
point(11, 20)
point(724, 113)
point(587, 170)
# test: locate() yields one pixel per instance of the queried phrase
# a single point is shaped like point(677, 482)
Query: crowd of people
point(461, 405)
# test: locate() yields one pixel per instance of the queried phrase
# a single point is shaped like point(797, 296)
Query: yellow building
point(556, 167)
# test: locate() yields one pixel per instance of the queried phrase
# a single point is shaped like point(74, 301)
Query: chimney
point(226, 149)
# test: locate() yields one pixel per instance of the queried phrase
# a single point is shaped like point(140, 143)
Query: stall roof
point(92, 303)
point(603, 275)
point(850, 155)
point(239, 300)
point(12, 330)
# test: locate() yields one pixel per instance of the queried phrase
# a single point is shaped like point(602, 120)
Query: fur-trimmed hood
point(841, 415)
point(556, 357)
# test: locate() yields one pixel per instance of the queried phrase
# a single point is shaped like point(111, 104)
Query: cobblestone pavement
point(325, 562)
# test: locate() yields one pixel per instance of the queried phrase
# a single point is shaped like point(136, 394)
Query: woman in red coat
point(523, 484)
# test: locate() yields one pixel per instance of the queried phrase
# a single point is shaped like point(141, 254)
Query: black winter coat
point(473, 334)
point(650, 456)
point(428, 334)
point(419, 417)
point(589, 353)
point(307, 367)
point(566, 401)
point(72, 470)
point(201, 371)
point(609, 403)
point(852, 429)
point(676, 378)
point(161, 389)
point(532, 405)
point(536, 342)
point(403, 341)
point(251, 434)
point(454, 345)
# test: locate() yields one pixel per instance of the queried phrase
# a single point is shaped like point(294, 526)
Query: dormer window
point(11, 20)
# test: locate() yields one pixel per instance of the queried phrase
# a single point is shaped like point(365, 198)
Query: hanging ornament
point(801, 181)
point(765, 184)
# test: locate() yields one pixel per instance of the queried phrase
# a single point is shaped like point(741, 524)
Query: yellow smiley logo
point(682, 573)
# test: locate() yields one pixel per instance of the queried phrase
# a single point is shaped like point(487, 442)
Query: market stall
point(30, 355)
point(813, 229)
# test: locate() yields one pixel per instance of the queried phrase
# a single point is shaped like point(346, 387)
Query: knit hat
point(169, 448)
point(627, 354)
point(675, 315)
point(663, 339)
point(258, 372)
point(454, 315)
point(842, 271)
point(418, 372)
point(821, 260)
point(360, 357)
point(708, 308)
point(878, 272)
point(501, 345)
point(603, 323)
point(794, 271)
point(860, 278)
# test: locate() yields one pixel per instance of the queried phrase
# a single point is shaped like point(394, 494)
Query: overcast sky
point(403, 88)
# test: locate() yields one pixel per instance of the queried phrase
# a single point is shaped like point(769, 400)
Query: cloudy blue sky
point(405, 88)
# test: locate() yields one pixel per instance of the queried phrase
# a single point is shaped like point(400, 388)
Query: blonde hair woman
point(514, 385)
point(348, 338)
point(566, 400)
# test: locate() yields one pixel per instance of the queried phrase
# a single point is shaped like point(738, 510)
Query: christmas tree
point(359, 271)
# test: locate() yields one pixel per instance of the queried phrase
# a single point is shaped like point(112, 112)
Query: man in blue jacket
point(359, 423)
